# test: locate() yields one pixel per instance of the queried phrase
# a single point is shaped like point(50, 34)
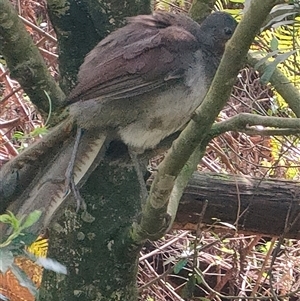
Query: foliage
point(278, 44)
point(23, 256)
point(18, 226)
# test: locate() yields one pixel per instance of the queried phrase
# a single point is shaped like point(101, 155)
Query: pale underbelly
point(167, 115)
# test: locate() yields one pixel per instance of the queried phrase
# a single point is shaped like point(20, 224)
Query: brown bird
point(143, 82)
point(139, 85)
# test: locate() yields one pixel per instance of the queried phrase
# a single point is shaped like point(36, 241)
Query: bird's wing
point(142, 56)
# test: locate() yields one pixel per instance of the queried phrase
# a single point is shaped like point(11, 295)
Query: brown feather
point(129, 61)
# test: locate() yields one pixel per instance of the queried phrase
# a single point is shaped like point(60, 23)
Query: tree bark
point(262, 206)
point(25, 62)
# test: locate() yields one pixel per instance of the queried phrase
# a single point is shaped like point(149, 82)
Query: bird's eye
point(228, 31)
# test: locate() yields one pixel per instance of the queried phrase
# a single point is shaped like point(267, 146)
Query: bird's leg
point(70, 169)
point(69, 175)
point(79, 199)
point(138, 168)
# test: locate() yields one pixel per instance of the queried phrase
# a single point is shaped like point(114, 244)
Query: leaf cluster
point(22, 243)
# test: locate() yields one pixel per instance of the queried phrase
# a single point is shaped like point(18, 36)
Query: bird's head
point(215, 31)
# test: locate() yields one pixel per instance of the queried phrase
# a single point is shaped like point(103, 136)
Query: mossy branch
point(245, 122)
point(154, 220)
point(24, 60)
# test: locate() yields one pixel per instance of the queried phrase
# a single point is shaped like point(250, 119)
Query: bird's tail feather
point(48, 191)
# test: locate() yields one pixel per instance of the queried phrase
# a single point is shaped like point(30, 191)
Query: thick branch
point(264, 204)
point(24, 61)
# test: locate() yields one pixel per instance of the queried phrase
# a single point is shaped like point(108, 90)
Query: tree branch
point(25, 62)
point(244, 121)
point(154, 217)
point(264, 204)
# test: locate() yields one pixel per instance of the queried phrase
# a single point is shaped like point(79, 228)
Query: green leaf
point(11, 219)
point(180, 265)
point(274, 44)
point(265, 59)
point(282, 7)
point(272, 66)
point(18, 135)
point(31, 219)
point(227, 251)
point(25, 239)
point(189, 288)
point(6, 260)
point(42, 130)
point(273, 22)
point(198, 278)
point(15, 223)
point(5, 218)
